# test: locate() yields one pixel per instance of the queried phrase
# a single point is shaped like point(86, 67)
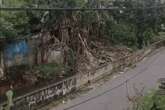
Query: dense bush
point(151, 102)
point(48, 71)
point(124, 34)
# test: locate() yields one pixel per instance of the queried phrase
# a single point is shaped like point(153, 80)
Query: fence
point(29, 100)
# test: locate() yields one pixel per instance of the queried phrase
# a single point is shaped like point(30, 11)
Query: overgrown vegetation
point(48, 71)
point(133, 25)
point(151, 102)
point(80, 34)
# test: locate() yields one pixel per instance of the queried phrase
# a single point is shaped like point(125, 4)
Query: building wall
point(24, 53)
point(16, 53)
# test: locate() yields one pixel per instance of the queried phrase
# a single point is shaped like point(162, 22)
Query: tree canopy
point(132, 25)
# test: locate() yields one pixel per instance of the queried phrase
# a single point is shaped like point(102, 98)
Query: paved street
point(113, 94)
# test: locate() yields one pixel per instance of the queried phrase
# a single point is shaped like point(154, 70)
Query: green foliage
point(6, 29)
point(147, 21)
point(124, 34)
point(13, 24)
point(130, 27)
point(47, 71)
point(148, 36)
point(151, 102)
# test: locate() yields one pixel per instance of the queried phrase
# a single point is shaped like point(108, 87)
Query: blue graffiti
point(13, 49)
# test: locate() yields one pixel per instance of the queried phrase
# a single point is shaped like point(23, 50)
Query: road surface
point(113, 94)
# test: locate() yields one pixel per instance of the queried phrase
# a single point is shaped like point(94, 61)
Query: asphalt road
point(113, 94)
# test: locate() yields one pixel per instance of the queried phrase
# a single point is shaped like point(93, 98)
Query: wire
point(66, 9)
point(114, 88)
point(101, 94)
point(74, 9)
point(54, 9)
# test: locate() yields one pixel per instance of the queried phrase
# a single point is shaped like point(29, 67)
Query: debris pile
point(101, 55)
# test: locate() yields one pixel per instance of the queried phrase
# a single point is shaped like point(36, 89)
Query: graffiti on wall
point(53, 91)
point(16, 53)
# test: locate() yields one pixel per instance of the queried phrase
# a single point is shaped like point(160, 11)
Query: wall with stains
point(16, 53)
point(22, 53)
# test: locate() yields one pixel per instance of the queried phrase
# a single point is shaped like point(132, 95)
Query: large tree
point(133, 24)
